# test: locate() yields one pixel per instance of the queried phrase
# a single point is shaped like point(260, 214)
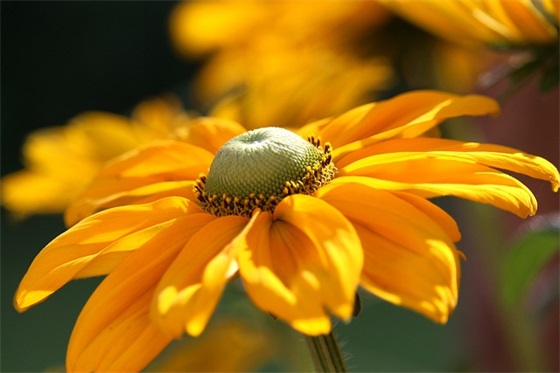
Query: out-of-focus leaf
point(527, 258)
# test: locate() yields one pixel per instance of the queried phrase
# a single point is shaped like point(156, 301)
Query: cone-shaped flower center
point(259, 168)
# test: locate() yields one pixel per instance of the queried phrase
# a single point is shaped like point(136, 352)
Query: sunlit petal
point(410, 259)
point(433, 176)
point(190, 289)
point(114, 331)
point(491, 155)
point(131, 176)
point(96, 245)
point(387, 119)
point(302, 261)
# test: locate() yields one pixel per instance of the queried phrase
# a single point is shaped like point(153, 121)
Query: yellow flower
point(61, 161)
point(229, 345)
point(200, 27)
point(491, 22)
point(288, 86)
point(301, 223)
point(281, 62)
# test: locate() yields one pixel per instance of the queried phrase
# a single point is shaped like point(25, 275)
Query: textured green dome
point(260, 161)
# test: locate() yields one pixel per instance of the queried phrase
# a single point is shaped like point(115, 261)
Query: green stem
point(326, 354)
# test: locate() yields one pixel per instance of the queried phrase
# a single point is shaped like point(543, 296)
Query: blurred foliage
point(527, 258)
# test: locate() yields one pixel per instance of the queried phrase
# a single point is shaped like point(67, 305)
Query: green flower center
point(257, 169)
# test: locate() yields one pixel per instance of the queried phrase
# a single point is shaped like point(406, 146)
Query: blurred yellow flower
point(281, 62)
point(229, 345)
point(301, 223)
point(200, 27)
point(61, 161)
point(286, 86)
point(501, 23)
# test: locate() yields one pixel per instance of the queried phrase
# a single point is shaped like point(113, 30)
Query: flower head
point(351, 209)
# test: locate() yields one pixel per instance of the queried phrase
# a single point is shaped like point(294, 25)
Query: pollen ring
point(261, 167)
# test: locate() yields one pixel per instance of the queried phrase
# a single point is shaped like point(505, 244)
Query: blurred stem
point(326, 354)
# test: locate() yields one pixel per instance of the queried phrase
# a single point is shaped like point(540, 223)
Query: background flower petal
point(208, 133)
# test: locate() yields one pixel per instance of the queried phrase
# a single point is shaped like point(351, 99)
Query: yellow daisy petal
point(208, 133)
point(132, 176)
point(158, 116)
point(400, 275)
point(96, 245)
point(128, 343)
point(163, 158)
point(434, 212)
point(113, 331)
point(304, 259)
point(27, 192)
point(190, 289)
point(388, 119)
point(107, 193)
point(432, 176)
point(418, 269)
point(495, 156)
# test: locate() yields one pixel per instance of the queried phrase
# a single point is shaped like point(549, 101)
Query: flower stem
point(326, 354)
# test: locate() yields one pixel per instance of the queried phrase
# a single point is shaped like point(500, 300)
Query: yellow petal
point(302, 261)
point(189, 291)
point(61, 161)
point(158, 116)
point(434, 212)
point(172, 159)
point(490, 22)
point(533, 26)
point(404, 116)
point(78, 148)
point(431, 176)
point(26, 193)
point(114, 331)
point(453, 20)
point(130, 178)
point(400, 275)
point(208, 133)
point(96, 245)
point(410, 260)
point(200, 27)
point(128, 343)
point(491, 155)
point(106, 193)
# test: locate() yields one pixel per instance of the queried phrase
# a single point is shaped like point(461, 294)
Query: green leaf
point(527, 258)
